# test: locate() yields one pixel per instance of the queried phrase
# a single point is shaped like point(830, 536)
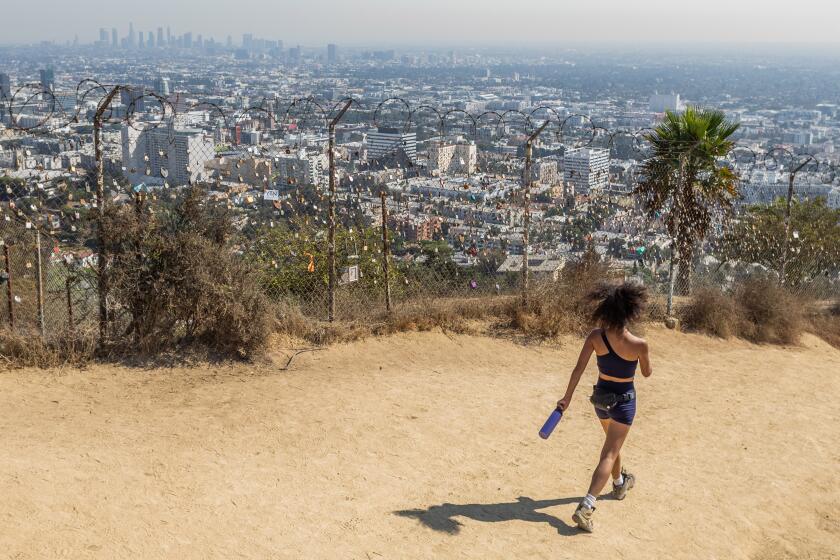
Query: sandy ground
point(422, 446)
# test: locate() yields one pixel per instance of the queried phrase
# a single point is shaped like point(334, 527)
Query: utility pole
point(100, 206)
point(331, 233)
point(527, 212)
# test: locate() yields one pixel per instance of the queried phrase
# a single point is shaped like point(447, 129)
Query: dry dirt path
point(422, 446)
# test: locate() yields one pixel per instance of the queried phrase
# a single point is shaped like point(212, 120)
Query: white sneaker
point(583, 517)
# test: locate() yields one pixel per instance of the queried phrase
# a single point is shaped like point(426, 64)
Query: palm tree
point(684, 180)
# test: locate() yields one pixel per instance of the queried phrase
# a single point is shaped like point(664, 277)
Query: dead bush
point(756, 309)
point(768, 312)
point(824, 322)
point(67, 348)
point(710, 311)
point(175, 282)
point(471, 315)
point(452, 315)
point(560, 306)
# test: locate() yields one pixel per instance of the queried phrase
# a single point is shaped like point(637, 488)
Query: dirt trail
point(422, 446)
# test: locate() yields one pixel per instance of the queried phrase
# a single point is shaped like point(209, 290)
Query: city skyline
point(469, 22)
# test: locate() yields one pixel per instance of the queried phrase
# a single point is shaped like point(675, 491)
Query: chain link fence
point(452, 225)
point(46, 289)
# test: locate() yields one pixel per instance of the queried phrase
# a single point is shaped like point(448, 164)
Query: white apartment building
point(386, 141)
point(303, 168)
point(586, 169)
point(457, 157)
point(179, 155)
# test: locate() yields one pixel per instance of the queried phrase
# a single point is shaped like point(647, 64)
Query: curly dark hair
point(617, 305)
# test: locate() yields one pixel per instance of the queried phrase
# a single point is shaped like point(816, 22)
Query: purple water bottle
point(551, 423)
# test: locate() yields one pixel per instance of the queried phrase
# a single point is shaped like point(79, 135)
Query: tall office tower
point(332, 54)
point(168, 36)
point(160, 37)
point(387, 141)
point(188, 40)
point(294, 55)
point(668, 102)
point(5, 86)
point(587, 169)
point(161, 86)
point(229, 42)
point(103, 35)
point(115, 41)
point(150, 41)
point(199, 41)
point(141, 41)
point(133, 99)
point(134, 149)
point(132, 38)
point(47, 79)
point(5, 93)
point(247, 41)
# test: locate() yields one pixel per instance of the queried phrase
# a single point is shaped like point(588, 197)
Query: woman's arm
point(583, 359)
point(644, 360)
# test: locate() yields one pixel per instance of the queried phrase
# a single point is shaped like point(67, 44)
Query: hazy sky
point(439, 22)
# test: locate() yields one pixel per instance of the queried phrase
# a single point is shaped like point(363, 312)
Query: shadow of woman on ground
point(440, 518)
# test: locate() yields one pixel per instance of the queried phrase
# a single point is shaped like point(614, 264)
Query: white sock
point(589, 501)
point(619, 481)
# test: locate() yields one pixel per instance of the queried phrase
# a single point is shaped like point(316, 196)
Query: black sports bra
point(614, 365)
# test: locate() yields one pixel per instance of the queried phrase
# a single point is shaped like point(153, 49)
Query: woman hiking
point(618, 353)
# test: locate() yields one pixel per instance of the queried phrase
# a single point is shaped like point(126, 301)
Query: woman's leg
point(616, 470)
point(616, 434)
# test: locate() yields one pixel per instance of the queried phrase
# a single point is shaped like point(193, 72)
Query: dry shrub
point(768, 312)
point(710, 311)
point(176, 280)
point(557, 307)
point(451, 315)
point(824, 322)
point(757, 309)
point(291, 321)
point(67, 348)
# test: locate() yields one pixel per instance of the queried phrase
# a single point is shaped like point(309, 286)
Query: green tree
point(815, 247)
point(293, 260)
point(684, 179)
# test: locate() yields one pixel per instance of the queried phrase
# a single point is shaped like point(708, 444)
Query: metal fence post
point(789, 201)
point(527, 224)
point(70, 322)
point(670, 307)
point(39, 291)
point(9, 294)
point(386, 265)
point(526, 235)
point(332, 225)
point(102, 284)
